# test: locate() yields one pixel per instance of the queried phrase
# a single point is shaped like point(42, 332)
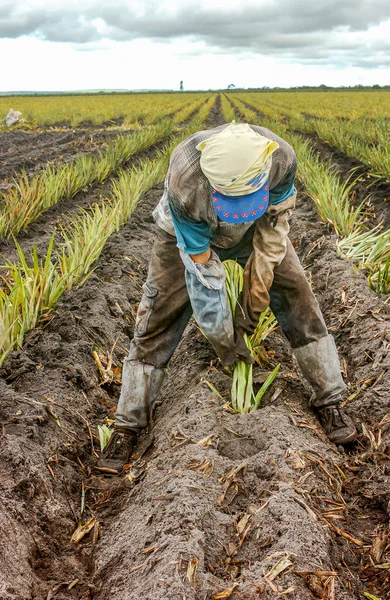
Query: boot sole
point(345, 440)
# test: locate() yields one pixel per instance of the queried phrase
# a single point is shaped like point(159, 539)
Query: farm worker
point(228, 194)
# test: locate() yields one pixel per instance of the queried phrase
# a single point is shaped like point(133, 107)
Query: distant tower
point(181, 86)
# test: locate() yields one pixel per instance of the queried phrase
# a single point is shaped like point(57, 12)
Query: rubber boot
point(141, 384)
point(320, 366)
point(117, 452)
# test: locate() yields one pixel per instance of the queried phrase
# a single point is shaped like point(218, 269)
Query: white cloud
point(208, 44)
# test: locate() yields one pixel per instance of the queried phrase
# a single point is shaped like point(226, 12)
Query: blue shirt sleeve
point(285, 187)
point(281, 192)
point(193, 237)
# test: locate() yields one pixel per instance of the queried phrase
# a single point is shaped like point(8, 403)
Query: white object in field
point(12, 117)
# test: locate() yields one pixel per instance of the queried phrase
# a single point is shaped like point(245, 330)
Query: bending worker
point(228, 194)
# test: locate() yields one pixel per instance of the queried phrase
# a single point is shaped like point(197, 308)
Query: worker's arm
point(270, 237)
point(269, 249)
point(205, 279)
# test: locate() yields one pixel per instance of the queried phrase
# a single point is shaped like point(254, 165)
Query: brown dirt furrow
point(39, 232)
point(216, 115)
point(263, 486)
point(31, 152)
point(355, 314)
point(214, 500)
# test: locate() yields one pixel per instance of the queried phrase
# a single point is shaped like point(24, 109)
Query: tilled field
point(214, 505)
point(32, 151)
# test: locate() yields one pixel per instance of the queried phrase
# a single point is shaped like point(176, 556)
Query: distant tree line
point(320, 88)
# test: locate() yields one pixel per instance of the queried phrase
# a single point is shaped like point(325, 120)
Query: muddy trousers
point(165, 310)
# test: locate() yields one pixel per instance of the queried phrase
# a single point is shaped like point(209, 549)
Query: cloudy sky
point(135, 44)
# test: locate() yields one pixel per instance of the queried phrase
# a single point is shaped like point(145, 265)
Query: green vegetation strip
point(198, 105)
point(227, 109)
point(96, 109)
point(366, 140)
point(329, 105)
point(30, 292)
point(28, 198)
point(334, 202)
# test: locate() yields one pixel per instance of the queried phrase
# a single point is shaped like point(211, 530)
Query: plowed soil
point(214, 505)
point(32, 151)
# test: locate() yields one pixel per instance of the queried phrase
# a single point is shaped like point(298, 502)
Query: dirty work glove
point(242, 322)
point(206, 289)
point(241, 349)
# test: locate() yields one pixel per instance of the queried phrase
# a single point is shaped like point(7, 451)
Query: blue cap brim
point(241, 209)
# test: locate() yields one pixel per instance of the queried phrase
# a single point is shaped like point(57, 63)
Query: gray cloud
point(316, 33)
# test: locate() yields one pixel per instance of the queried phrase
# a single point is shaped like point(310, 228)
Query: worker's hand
point(242, 322)
point(236, 350)
point(241, 349)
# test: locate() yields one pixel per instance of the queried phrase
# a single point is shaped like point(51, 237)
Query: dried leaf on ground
point(242, 523)
point(316, 585)
point(279, 567)
point(225, 593)
point(104, 362)
point(379, 544)
point(82, 530)
point(206, 466)
point(73, 583)
point(344, 533)
point(148, 550)
point(191, 570)
point(207, 441)
point(298, 463)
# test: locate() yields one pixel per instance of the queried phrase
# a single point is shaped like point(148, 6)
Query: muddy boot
point(320, 366)
point(141, 384)
point(117, 452)
point(338, 426)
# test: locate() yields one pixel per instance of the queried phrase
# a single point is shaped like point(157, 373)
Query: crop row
point(334, 201)
point(144, 107)
point(133, 108)
point(31, 288)
point(366, 140)
point(27, 198)
point(227, 109)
